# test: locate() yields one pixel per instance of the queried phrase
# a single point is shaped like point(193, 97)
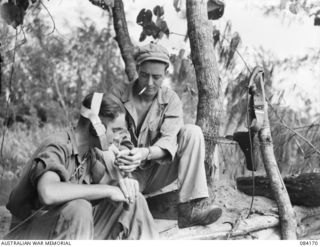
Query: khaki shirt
point(57, 153)
point(162, 122)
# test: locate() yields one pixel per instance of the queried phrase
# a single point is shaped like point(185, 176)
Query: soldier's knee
point(78, 210)
point(191, 131)
point(141, 201)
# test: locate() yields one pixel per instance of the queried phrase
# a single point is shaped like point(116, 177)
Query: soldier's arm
point(51, 190)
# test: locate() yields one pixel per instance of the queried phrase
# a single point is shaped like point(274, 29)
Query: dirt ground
point(235, 206)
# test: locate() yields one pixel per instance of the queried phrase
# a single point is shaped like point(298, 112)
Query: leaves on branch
point(176, 5)
point(13, 14)
point(143, 36)
point(162, 25)
point(144, 17)
point(293, 8)
point(24, 4)
point(158, 11)
point(104, 4)
point(317, 20)
point(283, 4)
point(150, 28)
point(234, 43)
point(216, 36)
point(215, 9)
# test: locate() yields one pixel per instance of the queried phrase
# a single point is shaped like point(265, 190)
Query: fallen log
point(303, 190)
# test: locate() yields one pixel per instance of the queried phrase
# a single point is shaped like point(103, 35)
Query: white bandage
point(93, 113)
point(96, 103)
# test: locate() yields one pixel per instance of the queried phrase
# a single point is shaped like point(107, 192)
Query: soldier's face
point(113, 127)
point(151, 76)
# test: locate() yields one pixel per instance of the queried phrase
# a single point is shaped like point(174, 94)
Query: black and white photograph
point(159, 120)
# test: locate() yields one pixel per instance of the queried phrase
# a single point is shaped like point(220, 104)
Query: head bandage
point(93, 115)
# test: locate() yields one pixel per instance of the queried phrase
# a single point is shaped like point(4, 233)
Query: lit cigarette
point(142, 91)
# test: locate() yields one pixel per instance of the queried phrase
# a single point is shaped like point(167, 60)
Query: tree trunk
point(279, 191)
point(123, 39)
point(208, 80)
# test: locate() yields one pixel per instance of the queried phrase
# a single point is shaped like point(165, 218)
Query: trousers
point(187, 167)
point(79, 220)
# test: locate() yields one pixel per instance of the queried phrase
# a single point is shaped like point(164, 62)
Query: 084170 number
point(309, 242)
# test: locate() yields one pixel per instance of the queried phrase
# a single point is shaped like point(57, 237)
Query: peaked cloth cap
point(153, 52)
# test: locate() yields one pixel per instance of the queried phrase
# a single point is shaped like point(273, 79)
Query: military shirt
point(162, 123)
point(57, 153)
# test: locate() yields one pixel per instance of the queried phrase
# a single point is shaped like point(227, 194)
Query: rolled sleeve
point(53, 158)
point(171, 125)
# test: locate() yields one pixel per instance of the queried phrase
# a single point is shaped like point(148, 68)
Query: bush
point(19, 144)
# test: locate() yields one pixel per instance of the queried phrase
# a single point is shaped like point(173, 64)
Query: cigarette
point(142, 91)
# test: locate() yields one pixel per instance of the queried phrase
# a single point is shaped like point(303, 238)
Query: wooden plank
point(226, 231)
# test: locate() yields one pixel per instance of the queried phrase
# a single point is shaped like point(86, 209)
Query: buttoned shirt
point(162, 123)
point(57, 153)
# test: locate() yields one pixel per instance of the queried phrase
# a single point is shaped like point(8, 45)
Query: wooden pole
point(287, 217)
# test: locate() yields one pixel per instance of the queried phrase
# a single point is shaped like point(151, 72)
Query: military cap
point(153, 52)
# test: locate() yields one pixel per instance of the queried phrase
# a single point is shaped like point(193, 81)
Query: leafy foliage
point(307, 7)
point(23, 141)
point(49, 66)
point(149, 27)
point(52, 75)
point(293, 154)
point(13, 12)
point(317, 20)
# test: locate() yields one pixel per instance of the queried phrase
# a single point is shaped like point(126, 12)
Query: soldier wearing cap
point(165, 148)
point(66, 192)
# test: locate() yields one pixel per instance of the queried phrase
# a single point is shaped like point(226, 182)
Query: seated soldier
point(165, 149)
point(63, 192)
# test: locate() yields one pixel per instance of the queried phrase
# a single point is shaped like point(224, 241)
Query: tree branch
point(123, 39)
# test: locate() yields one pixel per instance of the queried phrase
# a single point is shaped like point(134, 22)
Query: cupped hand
point(130, 160)
point(117, 195)
point(129, 188)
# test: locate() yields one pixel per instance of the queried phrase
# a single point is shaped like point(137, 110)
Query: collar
point(74, 146)
point(127, 96)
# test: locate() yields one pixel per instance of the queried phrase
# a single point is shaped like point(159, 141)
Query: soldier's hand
point(117, 195)
point(129, 188)
point(131, 159)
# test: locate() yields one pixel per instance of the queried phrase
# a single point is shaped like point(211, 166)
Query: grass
point(19, 144)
